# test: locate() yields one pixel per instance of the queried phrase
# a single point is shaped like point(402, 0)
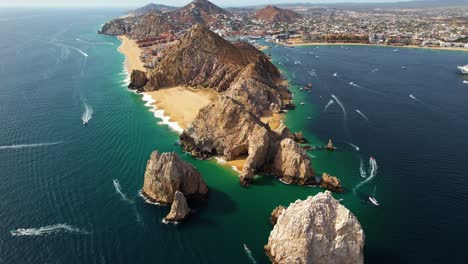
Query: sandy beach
point(132, 52)
point(182, 103)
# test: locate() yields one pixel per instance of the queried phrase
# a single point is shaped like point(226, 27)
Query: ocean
point(70, 193)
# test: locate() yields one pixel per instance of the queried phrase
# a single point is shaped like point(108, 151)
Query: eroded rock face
point(318, 230)
point(138, 80)
point(166, 173)
point(331, 183)
point(292, 164)
point(276, 213)
point(179, 209)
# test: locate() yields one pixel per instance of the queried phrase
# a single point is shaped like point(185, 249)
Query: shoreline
point(370, 45)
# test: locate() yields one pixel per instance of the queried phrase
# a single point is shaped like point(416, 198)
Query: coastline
point(371, 45)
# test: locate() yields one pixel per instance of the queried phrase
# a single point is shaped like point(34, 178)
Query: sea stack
point(179, 209)
point(331, 183)
point(318, 230)
point(138, 80)
point(330, 145)
point(166, 173)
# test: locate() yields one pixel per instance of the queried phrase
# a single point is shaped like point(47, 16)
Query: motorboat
point(374, 201)
point(463, 69)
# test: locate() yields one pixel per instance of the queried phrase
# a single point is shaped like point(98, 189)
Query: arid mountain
point(199, 12)
point(149, 24)
point(203, 58)
point(234, 125)
point(152, 8)
point(273, 14)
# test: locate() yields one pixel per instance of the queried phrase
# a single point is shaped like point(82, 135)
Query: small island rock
point(331, 183)
point(318, 230)
point(166, 173)
point(179, 209)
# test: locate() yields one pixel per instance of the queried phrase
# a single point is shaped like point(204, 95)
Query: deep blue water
point(72, 191)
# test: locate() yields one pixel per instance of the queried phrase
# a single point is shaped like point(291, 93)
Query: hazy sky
point(166, 2)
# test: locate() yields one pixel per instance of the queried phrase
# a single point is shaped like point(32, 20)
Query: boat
point(463, 69)
point(309, 85)
point(372, 198)
point(302, 103)
point(403, 67)
point(85, 123)
point(465, 82)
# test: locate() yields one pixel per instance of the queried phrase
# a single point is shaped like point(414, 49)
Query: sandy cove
point(176, 106)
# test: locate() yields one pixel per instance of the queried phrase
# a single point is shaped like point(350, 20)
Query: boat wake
point(19, 146)
point(94, 43)
point(249, 254)
point(352, 145)
point(328, 105)
point(118, 190)
point(414, 98)
point(48, 230)
point(313, 73)
point(345, 114)
point(371, 174)
point(362, 171)
point(87, 114)
point(375, 70)
point(355, 85)
point(363, 115)
point(335, 75)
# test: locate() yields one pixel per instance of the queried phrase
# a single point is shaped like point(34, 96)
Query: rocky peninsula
point(318, 230)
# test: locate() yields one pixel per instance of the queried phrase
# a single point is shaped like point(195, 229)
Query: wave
point(352, 145)
point(328, 105)
point(363, 115)
point(160, 113)
point(87, 114)
point(19, 146)
point(47, 230)
point(372, 173)
point(118, 190)
point(345, 114)
point(148, 201)
point(249, 254)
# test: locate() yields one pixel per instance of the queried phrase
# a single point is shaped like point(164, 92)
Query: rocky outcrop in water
point(179, 209)
point(166, 173)
point(331, 183)
point(138, 80)
point(276, 213)
point(318, 230)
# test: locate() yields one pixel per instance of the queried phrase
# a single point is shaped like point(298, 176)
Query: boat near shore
point(463, 69)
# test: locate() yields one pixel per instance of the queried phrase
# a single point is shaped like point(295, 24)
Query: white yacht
point(463, 69)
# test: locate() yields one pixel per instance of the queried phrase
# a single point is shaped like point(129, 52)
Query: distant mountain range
point(402, 4)
point(152, 8)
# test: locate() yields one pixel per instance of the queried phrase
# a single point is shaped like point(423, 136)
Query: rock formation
point(331, 183)
point(179, 209)
point(146, 25)
point(166, 173)
point(273, 14)
point(198, 12)
point(138, 80)
point(318, 230)
point(330, 145)
point(276, 213)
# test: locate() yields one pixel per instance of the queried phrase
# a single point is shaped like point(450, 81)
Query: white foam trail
point(87, 114)
point(345, 114)
point(249, 254)
point(94, 43)
point(328, 105)
point(363, 115)
point(362, 171)
point(118, 190)
point(47, 230)
point(160, 113)
point(414, 98)
point(140, 193)
point(375, 70)
point(352, 145)
point(355, 85)
point(80, 51)
point(19, 146)
point(372, 173)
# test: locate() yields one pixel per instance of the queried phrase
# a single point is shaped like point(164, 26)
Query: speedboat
point(463, 69)
point(403, 67)
point(465, 82)
point(374, 201)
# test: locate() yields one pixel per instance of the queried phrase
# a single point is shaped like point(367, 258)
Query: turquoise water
point(74, 189)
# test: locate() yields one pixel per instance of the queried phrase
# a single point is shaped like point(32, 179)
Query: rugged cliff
point(166, 173)
point(179, 209)
point(318, 230)
point(146, 25)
